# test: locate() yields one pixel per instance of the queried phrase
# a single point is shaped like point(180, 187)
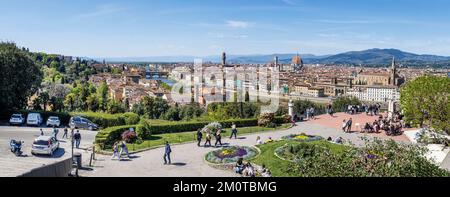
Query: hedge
point(106, 137)
point(148, 128)
point(110, 120)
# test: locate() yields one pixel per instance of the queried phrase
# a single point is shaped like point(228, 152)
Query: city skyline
point(197, 28)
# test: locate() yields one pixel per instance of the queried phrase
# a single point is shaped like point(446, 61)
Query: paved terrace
point(188, 158)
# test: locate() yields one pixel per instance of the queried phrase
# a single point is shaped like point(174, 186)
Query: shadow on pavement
point(178, 164)
point(57, 154)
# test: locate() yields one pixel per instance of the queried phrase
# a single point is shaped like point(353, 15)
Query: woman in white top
point(258, 141)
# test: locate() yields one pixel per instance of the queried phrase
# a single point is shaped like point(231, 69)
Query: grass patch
point(178, 138)
point(279, 167)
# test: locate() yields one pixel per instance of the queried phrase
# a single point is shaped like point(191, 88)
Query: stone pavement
point(188, 159)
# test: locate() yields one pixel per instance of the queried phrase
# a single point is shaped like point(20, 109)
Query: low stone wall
point(59, 169)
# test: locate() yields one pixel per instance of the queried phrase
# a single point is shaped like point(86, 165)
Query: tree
point(173, 114)
point(341, 103)
point(102, 93)
point(426, 101)
point(44, 99)
point(20, 77)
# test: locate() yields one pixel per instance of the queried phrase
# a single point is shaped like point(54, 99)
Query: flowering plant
point(303, 138)
point(231, 154)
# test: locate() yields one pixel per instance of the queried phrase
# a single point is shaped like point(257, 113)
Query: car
point(17, 119)
point(44, 145)
point(78, 122)
point(34, 119)
point(53, 121)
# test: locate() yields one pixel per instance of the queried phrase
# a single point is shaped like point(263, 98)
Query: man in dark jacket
point(199, 137)
point(167, 152)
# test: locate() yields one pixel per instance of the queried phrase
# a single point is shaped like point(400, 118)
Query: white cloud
point(102, 10)
point(289, 2)
point(237, 24)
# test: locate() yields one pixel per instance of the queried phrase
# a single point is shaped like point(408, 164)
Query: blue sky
point(137, 28)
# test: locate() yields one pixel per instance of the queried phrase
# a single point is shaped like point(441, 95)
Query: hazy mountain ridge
point(366, 57)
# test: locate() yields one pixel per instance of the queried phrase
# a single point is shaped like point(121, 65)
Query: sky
point(143, 28)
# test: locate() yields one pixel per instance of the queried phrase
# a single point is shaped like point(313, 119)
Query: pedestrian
point(77, 138)
point(208, 138)
point(199, 137)
point(167, 152)
point(344, 126)
point(233, 131)
point(55, 132)
point(312, 111)
point(42, 132)
point(307, 114)
point(115, 151)
point(349, 125)
point(218, 137)
point(123, 149)
point(65, 133)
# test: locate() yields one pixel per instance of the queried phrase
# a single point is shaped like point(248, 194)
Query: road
point(11, 166)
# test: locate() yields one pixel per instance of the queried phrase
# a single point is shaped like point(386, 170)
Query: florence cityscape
point(278, 88)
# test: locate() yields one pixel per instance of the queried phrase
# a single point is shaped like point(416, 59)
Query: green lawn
point(279, 167)
point(177, 138)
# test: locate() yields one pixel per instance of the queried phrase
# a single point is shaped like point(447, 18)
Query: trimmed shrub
point(109, 120)
point(151, 127)
point(106, 137)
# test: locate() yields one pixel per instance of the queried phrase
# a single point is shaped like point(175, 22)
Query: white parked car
point(34, 119)
point(45, 145)
point(17, 119)
point(53, 121)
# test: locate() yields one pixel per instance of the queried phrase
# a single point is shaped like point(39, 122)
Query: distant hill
point(371, 57)
point(383, 57)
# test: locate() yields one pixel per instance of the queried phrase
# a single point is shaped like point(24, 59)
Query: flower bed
point(231, 154)
point(303, 138)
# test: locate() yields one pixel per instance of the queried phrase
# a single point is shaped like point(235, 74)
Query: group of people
point(368, 109)
point(122, 146)
point(75, 136)
point(246, 169)
point(217, 135)
point(347, 126)
point(310, 113)
point(392, 126)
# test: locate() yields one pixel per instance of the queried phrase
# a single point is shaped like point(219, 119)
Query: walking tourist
point(115, 151)
point(344, 126)
point(312, 113)
point(77, 138)
point(123, 149)
point(199, 137)
point(233, 131)
point(349, 125)
point(218, 138)
point(55, 132)
point(65, 133)
point(42, 132)
point(208, 139)
point(167, 151)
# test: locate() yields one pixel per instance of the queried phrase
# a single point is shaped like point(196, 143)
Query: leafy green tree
point(102, 93)
point(341, 103)
point(20, 77)
point(426, 101)
point(173, 114)
point(44, 98)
